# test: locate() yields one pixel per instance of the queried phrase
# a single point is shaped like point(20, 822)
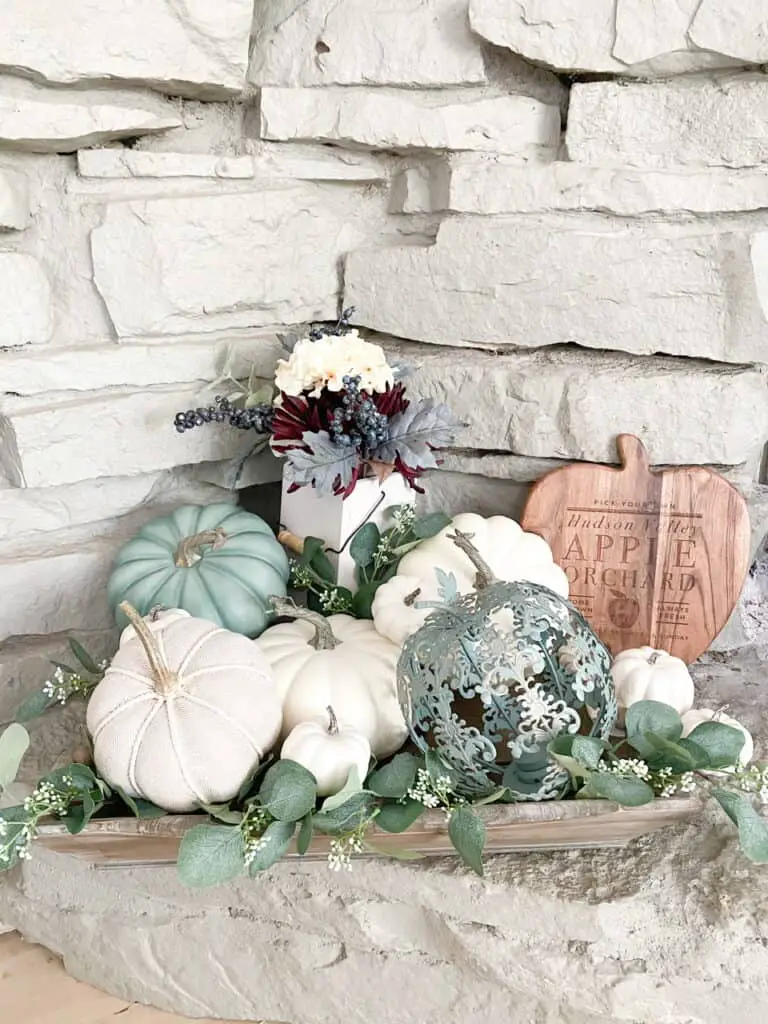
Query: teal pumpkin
point(216, 562)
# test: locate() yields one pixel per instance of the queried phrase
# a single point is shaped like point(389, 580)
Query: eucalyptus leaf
point(430, 525)
point(699, 755)
point(275, 840)
point(354, 784)
point(305, 835)
point(560, 749)
point(393, 780)
point(34, 706)
point(78, 815)
point(288, 791)
point(254, 776)
point(223, 812)
point(14, 743)
point(722, 743)
point(653, 716)
point(438, 769)
point(753, 829)
point(210, 855)
point(588, 750)
point(628, 791)
point(84, 657)
point(467, 833)
point(138, 807)
point(399, 817)
point(364, 544)
point(362, 599)
point(347, 818)
point(493, 798)
point(667, 754)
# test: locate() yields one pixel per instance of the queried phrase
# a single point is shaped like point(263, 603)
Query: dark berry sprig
point(357, 422)
point(258, 417)
point(342, 326)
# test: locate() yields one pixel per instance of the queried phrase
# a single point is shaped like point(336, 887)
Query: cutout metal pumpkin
point(654, 559)
point(216, 562)
point(493, 676)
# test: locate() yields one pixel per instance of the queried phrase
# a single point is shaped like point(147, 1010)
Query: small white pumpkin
point(184, 713)
point(643, 673)
point(693, 718)
point(510, 552)
point(338, 661)
point(328, 752)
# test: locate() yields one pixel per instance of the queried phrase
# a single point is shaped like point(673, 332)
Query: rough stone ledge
point(14, 201)
point(668, 928)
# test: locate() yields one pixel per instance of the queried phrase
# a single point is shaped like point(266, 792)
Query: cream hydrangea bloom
point(314, 365)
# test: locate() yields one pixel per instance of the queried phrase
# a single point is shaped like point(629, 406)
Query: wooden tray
point(561, 825)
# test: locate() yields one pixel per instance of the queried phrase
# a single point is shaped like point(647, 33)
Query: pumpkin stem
point(463, 542)
point(333, 725)
point(291, 541)
point(410, 599)
point(188, 552)
point(654, 657)
point(164, 678)
point(324, 639)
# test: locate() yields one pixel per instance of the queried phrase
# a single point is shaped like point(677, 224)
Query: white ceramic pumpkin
point(693, 718)
point(510, 552)
point(328, 752)
point(184, 712)
point(339, 662)
point(643, 673)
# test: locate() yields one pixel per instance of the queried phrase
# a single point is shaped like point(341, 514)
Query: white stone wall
point(560, 258)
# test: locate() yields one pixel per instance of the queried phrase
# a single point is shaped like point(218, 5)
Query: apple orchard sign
point(654, 558)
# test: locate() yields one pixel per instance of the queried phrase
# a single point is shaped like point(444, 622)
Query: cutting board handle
point(632, 453)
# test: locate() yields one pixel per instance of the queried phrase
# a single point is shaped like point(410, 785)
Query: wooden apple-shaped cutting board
point(655, 558)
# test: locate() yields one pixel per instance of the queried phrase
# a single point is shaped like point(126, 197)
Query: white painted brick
point(259, 258)
point(41, 120)
point(477, 120)
point(630, 37)
point(314, 163)
point(14, 201)
point(357, 42)
point(464, 183)
point(704, 122)
point(26, 304)
point(32, 511)
point(505, 283)
point(93, 367)
point(197, 47)
point(48, 442)
point(571, 404)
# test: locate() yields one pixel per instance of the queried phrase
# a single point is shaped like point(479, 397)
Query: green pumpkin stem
point(463, 542)
point(189, 550)
point(164, 678)
point(324, 639)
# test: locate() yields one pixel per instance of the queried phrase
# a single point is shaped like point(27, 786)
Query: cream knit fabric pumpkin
point(184, 712)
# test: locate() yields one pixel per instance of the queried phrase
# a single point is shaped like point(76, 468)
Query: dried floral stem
point(463, 542)
point(189, 550)
point(165, 679)
point(324, 638)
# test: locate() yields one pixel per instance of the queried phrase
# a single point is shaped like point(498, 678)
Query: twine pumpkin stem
point(463, 542)
point(324, 638)
point(164, 678)
point(189, 550)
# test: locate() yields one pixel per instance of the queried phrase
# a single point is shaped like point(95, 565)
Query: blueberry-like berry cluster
point(342, 326)
point(357, 422)
point(258, 417)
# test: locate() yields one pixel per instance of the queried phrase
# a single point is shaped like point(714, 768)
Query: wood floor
point(34, 989)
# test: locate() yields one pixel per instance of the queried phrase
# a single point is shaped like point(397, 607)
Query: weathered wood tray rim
point(566, 824)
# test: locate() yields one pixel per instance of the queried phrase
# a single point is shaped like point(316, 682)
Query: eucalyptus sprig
point(65, 684)
point(376, 555)
point(667, 763)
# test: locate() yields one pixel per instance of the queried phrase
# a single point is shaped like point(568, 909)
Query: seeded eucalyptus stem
point(463, 542)
point(324, 638)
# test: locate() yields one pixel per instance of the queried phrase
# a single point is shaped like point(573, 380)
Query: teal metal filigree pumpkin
point(493, 676)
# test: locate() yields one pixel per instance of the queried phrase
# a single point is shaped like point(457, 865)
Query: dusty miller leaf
point(323, 466)
point(416, 431)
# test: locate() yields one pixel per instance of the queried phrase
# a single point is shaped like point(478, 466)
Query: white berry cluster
point(626, 766)
point(66, 684)
point(403, 518)
point(252, 830)
point(667, 783)
point(343, 848)
point(431, 792)
point(755, 780)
